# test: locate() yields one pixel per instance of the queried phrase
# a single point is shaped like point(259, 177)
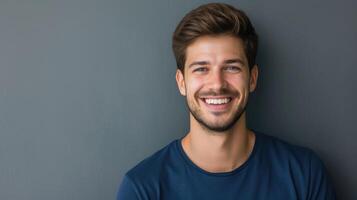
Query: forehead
point(215, 49)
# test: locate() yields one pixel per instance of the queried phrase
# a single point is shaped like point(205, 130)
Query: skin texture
point(216, 67)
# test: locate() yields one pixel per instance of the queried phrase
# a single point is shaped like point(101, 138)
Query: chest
point(261, 184)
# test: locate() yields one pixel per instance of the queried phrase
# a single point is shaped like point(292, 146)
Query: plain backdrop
point(87, 89)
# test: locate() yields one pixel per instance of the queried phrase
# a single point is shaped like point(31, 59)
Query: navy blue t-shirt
point(275, 170)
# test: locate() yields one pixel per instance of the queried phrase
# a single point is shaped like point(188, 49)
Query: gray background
point(87, 89)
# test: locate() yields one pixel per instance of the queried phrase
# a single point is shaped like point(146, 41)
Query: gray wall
point(87, 89)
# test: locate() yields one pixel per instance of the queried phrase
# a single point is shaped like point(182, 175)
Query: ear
point(253, 78)
point(180, 82)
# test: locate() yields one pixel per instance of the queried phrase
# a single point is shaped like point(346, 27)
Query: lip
point(215, 97)
point(218, 107)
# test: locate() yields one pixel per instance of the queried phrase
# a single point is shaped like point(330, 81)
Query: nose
point(217, 80)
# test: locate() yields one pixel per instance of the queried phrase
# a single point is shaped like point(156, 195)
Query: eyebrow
point(229, 61)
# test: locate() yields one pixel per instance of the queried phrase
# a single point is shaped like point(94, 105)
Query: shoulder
point(149, 169)
point(143, 180)
point(298, 163)
point(282, 156)
point(282, 150)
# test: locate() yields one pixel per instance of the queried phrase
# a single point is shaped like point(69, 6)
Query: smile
point(217, 104)
point(217, 101)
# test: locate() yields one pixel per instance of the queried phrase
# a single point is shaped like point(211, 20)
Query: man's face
point(216, 81)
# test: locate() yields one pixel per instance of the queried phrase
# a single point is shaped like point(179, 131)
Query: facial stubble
point(218, 128)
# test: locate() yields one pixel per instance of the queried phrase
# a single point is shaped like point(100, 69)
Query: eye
point(200, 69)
point(232, 68)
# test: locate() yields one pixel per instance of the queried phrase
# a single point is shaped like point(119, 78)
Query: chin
point(217, 127)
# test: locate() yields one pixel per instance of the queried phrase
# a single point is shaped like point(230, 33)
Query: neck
point(219, 152)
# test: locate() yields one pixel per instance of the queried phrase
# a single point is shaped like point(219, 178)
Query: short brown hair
point(214, 19)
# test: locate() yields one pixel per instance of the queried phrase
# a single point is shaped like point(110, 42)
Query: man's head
point(214, 19)
point(215, 48)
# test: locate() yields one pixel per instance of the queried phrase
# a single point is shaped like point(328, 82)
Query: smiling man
point(215, 47)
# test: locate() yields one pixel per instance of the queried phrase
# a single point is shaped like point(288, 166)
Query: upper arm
point(320, 186)
point(127, 190)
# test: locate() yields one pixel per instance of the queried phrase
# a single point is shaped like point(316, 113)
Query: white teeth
point(217, 101)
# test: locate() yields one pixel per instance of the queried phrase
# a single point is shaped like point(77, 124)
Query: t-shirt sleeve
point(320, 186)
point(127, 190)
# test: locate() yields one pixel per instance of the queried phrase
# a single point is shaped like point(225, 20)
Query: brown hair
point(214, 19)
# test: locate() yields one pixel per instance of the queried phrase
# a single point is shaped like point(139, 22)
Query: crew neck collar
point(188, 161)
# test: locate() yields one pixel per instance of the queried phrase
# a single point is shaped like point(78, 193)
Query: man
point(215, 47)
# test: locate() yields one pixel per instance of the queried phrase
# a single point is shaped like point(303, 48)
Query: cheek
point(240, 80)
point(238, 83)
point(193, 86)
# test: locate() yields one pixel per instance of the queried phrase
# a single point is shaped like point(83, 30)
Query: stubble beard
point(219, 128)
